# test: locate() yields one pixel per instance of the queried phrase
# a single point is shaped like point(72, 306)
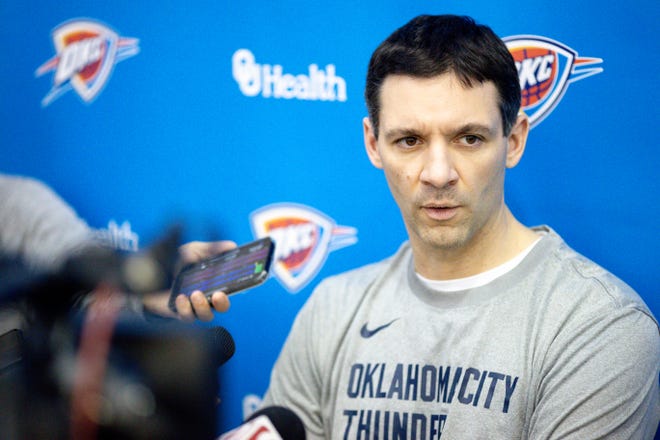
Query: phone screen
point(232, 271)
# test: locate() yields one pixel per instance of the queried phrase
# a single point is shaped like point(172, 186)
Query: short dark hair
point(431, 45)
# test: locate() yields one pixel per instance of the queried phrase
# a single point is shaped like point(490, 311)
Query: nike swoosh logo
point(366, 333)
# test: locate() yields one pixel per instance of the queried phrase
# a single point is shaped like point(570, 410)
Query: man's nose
point(439, 168)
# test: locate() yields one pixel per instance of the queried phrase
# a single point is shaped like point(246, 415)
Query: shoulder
point(577, 280)
point(20, 188)
point(337, 298)
point(27, 196)
point(349, 286)
point(587, 305)
point(36, 224)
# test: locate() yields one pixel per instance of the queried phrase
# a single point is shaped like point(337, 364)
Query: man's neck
point(492, 246)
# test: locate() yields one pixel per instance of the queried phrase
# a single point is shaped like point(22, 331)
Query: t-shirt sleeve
point(296, 379)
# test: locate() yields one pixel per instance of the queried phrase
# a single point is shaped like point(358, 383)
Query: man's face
point(444, 155)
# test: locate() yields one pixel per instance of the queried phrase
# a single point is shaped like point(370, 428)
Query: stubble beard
point(459, 236)
point(441, 235)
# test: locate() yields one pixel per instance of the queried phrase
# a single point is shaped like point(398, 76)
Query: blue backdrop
point(244, 118)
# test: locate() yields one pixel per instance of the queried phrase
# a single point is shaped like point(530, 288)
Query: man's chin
point(445, 237)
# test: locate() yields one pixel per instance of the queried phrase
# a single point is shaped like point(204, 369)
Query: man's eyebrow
point(477, 128)
point(474, 128)
point(397, 133)
point(469, 128)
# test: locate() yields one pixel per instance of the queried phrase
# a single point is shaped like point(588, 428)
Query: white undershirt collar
point(480, 279)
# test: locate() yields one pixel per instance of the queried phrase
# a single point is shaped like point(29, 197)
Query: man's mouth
point(441, 211)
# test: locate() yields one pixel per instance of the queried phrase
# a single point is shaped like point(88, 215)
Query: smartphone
point(231, 271)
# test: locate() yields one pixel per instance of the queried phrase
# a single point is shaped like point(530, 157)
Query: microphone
point(221, 344)
point(269, 423)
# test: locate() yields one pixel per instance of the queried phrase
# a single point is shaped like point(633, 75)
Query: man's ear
point(517, 140)
point(371, 143)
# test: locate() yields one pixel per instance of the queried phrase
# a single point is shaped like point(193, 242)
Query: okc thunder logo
point(546, 68)
point(86, 54)
point(303, 238)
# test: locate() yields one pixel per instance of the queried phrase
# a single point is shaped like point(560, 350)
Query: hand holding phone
point(231, 271)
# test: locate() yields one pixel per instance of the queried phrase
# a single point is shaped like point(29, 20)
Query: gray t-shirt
point(555, 348)
point(37, 229)
point(36, 225)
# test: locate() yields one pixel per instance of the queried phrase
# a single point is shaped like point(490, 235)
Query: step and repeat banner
point(243, 119)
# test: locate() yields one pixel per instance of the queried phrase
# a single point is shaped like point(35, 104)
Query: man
point(42, 238)
point(478, 327)
point(41, 231)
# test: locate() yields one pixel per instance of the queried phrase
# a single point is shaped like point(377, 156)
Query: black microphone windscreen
point(287, 423)
point(222, 344)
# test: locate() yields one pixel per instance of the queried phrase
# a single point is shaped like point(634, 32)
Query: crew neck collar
point(476, 295)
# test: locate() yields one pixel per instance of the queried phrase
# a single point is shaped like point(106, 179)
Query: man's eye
point(471, 140)
point(408, 141)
